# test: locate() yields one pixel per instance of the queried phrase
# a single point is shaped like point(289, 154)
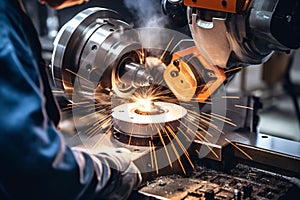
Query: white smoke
point(149, 16)
point(147, 12)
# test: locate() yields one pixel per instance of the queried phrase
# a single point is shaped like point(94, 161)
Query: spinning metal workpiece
point(144, 91)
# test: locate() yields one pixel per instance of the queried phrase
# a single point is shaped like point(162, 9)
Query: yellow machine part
point(184, 82)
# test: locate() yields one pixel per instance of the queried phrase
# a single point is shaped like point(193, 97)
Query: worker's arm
point(35, 163)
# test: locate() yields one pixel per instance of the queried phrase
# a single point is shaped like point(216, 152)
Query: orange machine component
point(191, 77)
point(231, 6)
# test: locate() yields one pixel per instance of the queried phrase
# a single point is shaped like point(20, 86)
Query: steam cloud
point(149, 15)
point(147, 12)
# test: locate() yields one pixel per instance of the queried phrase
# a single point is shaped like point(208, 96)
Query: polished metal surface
point(82, 50)
point(277, 154)
point(129, 119)
point(228, 40)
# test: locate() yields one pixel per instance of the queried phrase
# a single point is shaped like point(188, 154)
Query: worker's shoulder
point(10, 10)
point(6, 3)
point(11, 29)
point(9, 7)
point(11, 16)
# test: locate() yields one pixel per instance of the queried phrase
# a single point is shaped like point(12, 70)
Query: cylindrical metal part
point(129, 120)
point(88, 50)
point(135, 74)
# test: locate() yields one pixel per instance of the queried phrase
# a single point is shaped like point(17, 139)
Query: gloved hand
point(120, 159)
point(117, 175)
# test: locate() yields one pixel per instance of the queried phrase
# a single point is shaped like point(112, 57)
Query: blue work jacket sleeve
point(35, 163)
